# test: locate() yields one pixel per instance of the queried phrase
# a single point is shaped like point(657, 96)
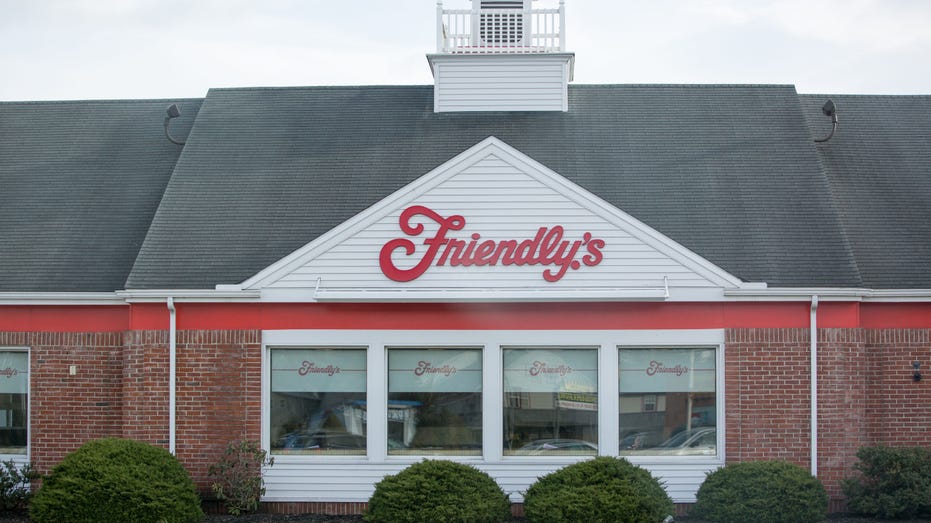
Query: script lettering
point(425, 367)
point(657, 367)
point(548, 247)
point(309, 367)
point(540, 367)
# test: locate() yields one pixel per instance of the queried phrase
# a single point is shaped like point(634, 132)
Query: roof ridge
point(103, 100)
point(697, 86)
point(858, 95)
point(316, 87)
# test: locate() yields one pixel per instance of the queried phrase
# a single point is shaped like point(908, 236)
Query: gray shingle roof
point(728, 171)
point(79, 183)
point(879, 166)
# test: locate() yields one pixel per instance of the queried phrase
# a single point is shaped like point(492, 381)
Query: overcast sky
point(92, 49)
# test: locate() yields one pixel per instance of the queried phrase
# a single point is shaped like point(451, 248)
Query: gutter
point(827, 294)
point(60, 298)
point(814, 385)
point(188, 295)
point(172, 374)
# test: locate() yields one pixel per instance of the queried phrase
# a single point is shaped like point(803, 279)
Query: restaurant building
point(501, 269)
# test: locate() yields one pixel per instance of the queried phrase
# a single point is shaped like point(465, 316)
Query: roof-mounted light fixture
point(829, 109)
point(172, 112)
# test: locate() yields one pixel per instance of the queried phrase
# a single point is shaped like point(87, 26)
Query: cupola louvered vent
point(501, 22)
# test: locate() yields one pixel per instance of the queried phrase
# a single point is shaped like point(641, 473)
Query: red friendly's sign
point(546, 248)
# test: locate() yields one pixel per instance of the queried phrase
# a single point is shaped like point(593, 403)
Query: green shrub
point(438, 491)
point(117, 481)
point(14, 485)
point(236, 478)
point(763, 492)
point(600, 490)
point(894, 483)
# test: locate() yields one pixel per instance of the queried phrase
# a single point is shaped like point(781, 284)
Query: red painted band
point(463, 316)
point(64, 318)
point(513, 316)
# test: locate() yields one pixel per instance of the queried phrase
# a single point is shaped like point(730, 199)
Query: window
point(435, 401)
point(667, 401)
point(318, 401)
point(649, 403)
point(551, 401)
point(14, 401)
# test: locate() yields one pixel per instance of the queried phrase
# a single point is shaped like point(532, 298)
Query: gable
point(491, 224)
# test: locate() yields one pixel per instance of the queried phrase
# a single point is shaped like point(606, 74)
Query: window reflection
point(550, 401)
point(435, 401)
point(14, 401)
point(667, 403)
point(318, 403)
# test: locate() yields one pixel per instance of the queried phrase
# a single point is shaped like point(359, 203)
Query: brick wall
point(842, 372)
point(67, 410)
point(219, 395)
point(145, 387)
point(767, 395)
point(898, 408)
point(120, 389)
point(865, 395)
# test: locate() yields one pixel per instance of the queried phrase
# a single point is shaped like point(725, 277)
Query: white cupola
point(501, 55)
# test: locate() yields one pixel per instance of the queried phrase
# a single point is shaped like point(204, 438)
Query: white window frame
point(22, 459)
point(608, 342)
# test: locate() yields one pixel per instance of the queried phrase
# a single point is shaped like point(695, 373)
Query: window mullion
point(377, 387)
point(608, 404)
point(492, 403)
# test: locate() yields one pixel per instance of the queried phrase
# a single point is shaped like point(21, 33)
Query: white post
point(562, 25)
point(440, 39)
point(476, 15)
point(527, 26)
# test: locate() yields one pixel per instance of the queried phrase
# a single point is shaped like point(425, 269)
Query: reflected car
point(641, 440)
point(566, 446)
point(697, 441)
point(321, 440)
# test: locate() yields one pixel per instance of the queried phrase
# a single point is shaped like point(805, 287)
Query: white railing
point(464, 31)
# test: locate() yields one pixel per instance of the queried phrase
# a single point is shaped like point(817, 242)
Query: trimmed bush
point(763, 492)
point(117, 481)
point(894, 483)
point(603, 489)
point(438, 491)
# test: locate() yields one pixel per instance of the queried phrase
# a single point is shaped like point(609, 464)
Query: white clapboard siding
point(533, 82)
point(355, 481)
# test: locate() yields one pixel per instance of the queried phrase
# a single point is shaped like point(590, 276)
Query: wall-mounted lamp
point(829, 110)
point(173, 111)
point(916, 376)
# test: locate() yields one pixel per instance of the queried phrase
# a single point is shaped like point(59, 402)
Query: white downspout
point(172, 375)
point(814, 385)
